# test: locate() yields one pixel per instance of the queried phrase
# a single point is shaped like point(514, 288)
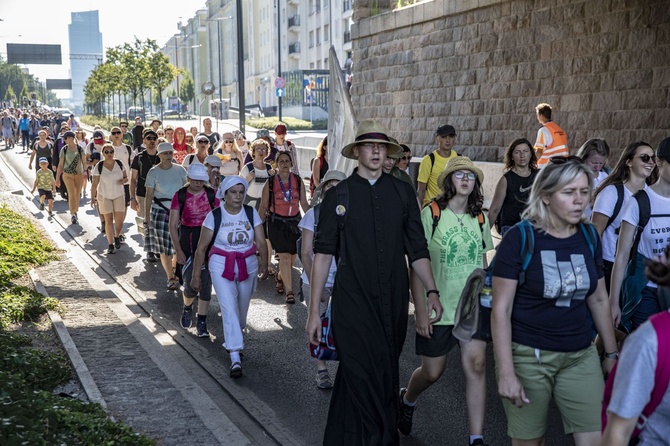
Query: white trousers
point(234, 298)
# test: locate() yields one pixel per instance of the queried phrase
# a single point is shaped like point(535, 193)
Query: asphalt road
point(277, 367)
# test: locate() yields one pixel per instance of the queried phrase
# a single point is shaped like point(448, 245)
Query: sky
point(46, 22)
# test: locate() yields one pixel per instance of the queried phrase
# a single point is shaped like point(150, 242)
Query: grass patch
point(29, 412)
point(292, 123)
point(102, 121)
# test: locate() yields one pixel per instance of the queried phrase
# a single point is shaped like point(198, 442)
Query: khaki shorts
point(108, 206)
point(575, 381)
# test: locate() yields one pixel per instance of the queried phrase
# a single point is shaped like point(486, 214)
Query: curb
point(87, 382)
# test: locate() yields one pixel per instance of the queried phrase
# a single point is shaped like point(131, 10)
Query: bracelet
point(133, 198)
point(433, 292)
point(613, 355)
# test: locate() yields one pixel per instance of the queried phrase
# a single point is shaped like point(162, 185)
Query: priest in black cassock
point(369, 221)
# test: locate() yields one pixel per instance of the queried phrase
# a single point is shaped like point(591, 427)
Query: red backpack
point(661, 323)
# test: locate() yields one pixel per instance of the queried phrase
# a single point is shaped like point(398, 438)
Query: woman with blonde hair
point(72, 165)
point(541, 331)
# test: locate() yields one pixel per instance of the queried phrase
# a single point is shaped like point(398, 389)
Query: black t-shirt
point(213, 137)
point(549, 310)
point(516, 197)
point(143, 162)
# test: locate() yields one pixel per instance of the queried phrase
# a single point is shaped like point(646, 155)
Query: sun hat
point(371, 131)
point(42, 160)
point(329, 176)
point(213, 161)
point(197, 171)
point(263, 133)
point(165, 147)
point(460, 163)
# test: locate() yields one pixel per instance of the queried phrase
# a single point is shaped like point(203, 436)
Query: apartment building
point(305, 30)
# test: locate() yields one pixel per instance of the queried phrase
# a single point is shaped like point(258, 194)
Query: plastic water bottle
point(485, 298)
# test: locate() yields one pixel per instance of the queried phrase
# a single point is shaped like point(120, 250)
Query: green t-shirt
point(428, 174)
point(455, 251)
point(45, 179)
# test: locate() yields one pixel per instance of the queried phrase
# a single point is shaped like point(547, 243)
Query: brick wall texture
point(604, 65)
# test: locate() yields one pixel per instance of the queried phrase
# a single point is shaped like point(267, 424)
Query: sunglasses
point(406, 158)
point(116, 133)
point(107, 152)
point(151, 138)
point(565, 159)
point(228, 141)
point(203, 142)
point(647, 158)
point(462, 175)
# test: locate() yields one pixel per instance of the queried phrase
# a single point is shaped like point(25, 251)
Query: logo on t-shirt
point(565, 280)
point(238, 236)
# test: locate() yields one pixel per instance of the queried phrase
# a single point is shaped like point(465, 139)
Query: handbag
point(325, 351)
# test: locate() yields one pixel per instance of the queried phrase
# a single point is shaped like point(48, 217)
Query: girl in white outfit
point(232, 262)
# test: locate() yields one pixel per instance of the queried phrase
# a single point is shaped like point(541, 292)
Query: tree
point(187, 89)
point(161, 71)
point(9, 94)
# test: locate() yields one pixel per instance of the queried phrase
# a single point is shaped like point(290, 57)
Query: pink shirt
point(196, 208)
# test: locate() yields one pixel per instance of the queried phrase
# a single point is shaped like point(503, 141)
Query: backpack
point(617, 206)
point(118, 162)
point(181, 198)
point(661, 324)
point(437, 213)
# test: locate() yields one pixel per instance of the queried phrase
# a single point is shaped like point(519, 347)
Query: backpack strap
point(617, 206)
point(218, 216)
point(527, 247)
point(250, 214)
point(645, 213)
point(436, 212)
point(431, 155)
point(211, 196)
point(118, 163)
point(181, 198)
point(481, 220)
point(591, 236)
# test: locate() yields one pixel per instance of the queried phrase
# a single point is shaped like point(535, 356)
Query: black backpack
point(118, 162)
point(181, 197)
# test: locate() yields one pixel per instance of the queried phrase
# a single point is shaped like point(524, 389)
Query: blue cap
point(42, 160)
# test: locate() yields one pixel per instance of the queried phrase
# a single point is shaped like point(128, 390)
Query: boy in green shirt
point(45, 185)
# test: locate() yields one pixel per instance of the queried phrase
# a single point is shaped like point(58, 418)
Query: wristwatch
point(613, 355)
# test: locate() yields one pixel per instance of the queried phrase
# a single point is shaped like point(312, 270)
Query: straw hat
point(371, 131)
point(460, 163)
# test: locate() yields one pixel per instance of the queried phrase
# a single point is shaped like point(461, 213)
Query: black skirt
point(283, 233)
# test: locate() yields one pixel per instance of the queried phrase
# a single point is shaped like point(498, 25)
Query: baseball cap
point(664, 149)
point(445, 130)
point(197, 171)
point(98, 135)
point(165, 147)
point(213, 161)
point(263, 133)
point(280, 129)
point(201, 137)
point(68, 134)
point(43, 160)
point(149, 131)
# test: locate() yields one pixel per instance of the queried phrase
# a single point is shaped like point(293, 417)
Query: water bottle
point(485, 295)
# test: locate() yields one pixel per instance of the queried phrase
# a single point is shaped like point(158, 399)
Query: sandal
point(272, 270)
point(173, 284)
point(290, 297)
point(279, 284)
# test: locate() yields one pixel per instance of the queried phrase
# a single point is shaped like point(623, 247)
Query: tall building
point(85, 50)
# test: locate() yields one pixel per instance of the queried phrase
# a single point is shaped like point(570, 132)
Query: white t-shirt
point(307, 222)
point(190, 159)
point(605, 202)
point(236, 233)
point(121, 153)
point(598, 179)
point(656, 234)
point(109, 186)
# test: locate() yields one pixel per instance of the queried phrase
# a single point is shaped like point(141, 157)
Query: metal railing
point(294, 48)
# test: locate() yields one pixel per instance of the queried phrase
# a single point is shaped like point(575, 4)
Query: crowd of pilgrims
point(220, 213)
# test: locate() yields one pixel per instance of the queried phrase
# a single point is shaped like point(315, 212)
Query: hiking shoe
point(405, 415)
point(117, 243)
point(186, 318)
point(236, 370)
point(323, 380)
point(110, 249)
point(151, 257)
point(201, 328)
point(73, 219)
point(41, 206)
point(122, 238)
point(102, 227)
point(478, 442)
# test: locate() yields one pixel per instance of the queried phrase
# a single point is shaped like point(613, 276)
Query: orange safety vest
point(554, 144)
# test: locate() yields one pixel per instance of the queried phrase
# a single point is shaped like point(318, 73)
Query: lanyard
point(288, 195)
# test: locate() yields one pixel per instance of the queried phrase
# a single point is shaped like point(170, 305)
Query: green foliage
point(292, 123)
point(21, 245)
point(186, 88)
point(102, 121)
point(9, 94)
point(31, 368)
point(403, 3)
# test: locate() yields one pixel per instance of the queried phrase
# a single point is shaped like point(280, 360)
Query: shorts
point(46, 194)
point(440, 343)
point(325, 297)
point(205, 293)
point(283, 233)
point(109, 205)
point(7, 133)
point(126, 192)
point(575, 381)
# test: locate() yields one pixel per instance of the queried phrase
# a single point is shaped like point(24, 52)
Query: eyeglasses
point(151, 138)
point(116, 133)
point(406, 158)
point(124, 126)
point(647, 158)
point(372, 145)
point(459, 175)
point(228, 141)
point(565, 159)
point(107, 152)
